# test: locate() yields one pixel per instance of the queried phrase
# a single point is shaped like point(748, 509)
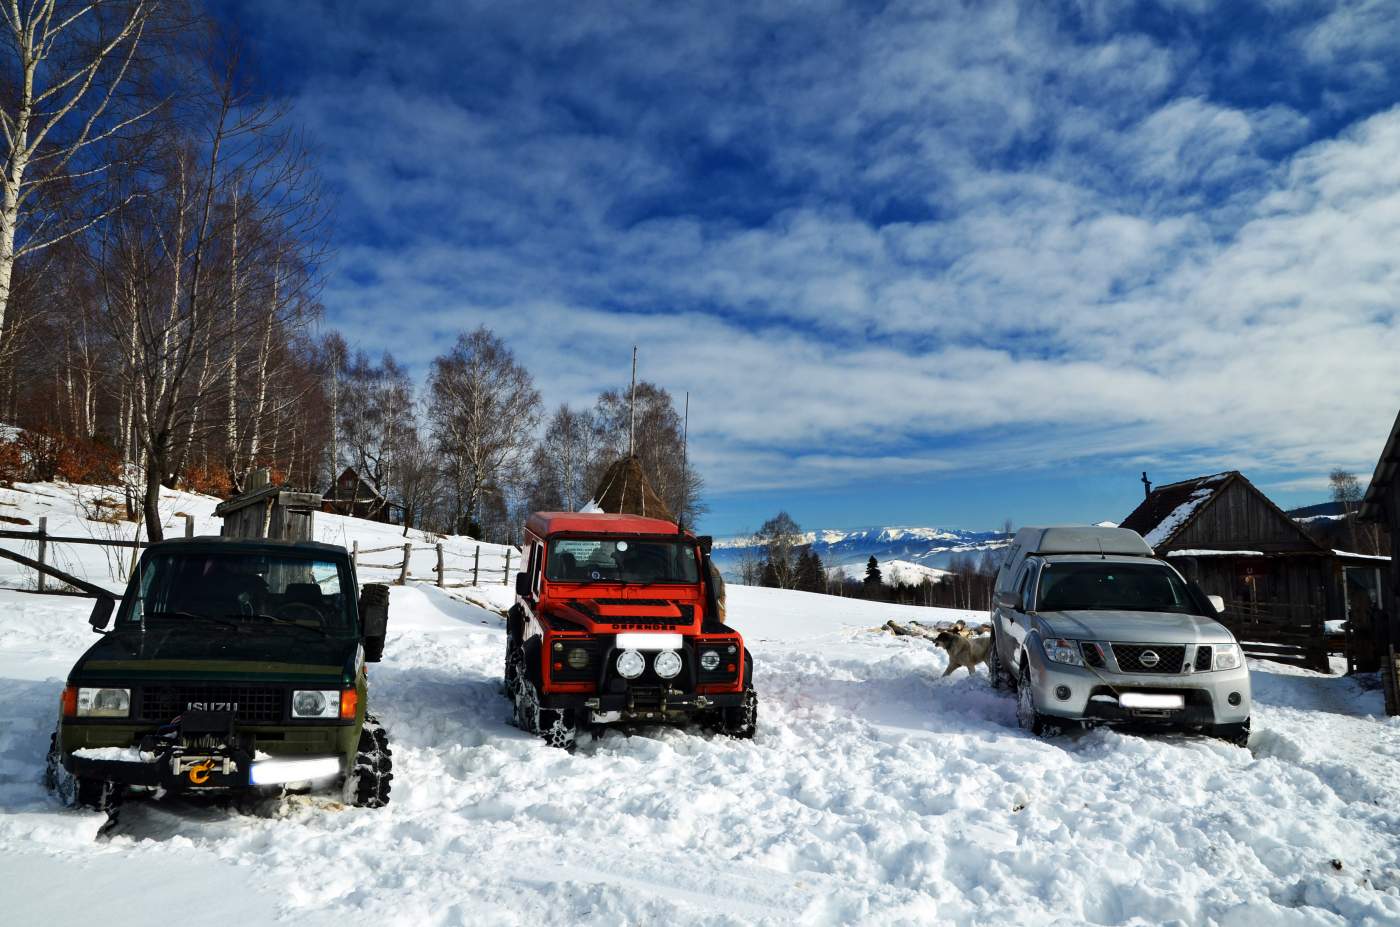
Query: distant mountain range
point(916, 550)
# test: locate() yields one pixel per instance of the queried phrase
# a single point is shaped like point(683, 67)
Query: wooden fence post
point(476, 566)
point(505, 580)
point(441, 572)
point(355, 554)
point(189, 526)
point(43, 549)
point(403, 571)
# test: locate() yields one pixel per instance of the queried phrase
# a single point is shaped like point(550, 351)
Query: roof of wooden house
point(370, 495)
point(1386, 470)
point(1191, 514)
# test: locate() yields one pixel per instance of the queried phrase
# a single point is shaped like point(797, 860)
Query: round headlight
point(668, 664)
point(578, 658)
point(309, 704)
point(709, 661)
point(630, 664)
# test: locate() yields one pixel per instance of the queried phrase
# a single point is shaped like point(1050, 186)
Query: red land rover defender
point(617, 619)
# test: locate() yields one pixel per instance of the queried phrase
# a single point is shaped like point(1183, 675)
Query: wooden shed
point(1280, 586)
point(1382, 506)
point(268, 511)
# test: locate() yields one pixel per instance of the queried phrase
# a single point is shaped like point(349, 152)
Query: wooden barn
point(1382, 506)
point(1280, 586)
point(351, 494)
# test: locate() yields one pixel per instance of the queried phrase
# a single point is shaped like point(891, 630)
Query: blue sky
point(916, 263)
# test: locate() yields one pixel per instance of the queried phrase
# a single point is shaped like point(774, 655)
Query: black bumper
point(1196, 713)
point(228, 770)
point(642, 703)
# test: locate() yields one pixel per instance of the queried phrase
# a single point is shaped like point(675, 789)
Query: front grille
point(256, 704)
point(1130, 657)
point(1203, 657)
point(1093, 654)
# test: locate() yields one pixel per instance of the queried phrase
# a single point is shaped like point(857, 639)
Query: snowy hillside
point(924, 547)
point(893, 572)
point(877, 791)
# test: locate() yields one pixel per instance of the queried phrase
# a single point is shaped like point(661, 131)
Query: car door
point(1006, 601)
point(1020, 603)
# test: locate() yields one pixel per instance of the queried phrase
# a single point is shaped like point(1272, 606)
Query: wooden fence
point(1280, 631)
point(43, 570)
point(476, 570)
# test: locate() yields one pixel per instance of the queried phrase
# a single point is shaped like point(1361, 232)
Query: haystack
point(624, 490)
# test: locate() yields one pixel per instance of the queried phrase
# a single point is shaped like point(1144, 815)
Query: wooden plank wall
point(1238, 519)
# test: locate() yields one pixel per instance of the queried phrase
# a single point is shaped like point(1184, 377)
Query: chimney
point(1146, 486)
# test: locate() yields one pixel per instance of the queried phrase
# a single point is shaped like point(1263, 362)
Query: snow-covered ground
point(875, 792)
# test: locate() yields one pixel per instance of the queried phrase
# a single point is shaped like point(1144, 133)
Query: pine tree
point(873, 580)
point(770, 575)
point(811, 577)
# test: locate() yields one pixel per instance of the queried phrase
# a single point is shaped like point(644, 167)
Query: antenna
point(685, 464)
point(632, 402)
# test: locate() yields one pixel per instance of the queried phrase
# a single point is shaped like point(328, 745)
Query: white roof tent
point(1076, 539)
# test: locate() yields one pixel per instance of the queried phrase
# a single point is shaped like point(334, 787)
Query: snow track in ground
point(875, 792)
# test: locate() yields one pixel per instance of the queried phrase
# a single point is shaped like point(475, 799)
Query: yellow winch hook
point(199, 774)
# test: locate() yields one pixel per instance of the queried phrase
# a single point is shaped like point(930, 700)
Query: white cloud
point(1095, 258)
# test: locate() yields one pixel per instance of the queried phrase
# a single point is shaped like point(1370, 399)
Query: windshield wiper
point(291, 622)
point(191, 616)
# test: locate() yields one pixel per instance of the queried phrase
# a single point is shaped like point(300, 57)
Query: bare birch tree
point(165, 272)
point(483, 407)
point(69, 61)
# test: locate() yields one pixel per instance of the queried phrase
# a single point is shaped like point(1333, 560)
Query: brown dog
point(964, 651)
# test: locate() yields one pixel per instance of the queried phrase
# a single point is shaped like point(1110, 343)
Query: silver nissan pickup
point(1090, 628)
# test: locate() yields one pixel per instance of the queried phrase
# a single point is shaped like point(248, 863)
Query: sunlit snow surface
point(875, 792)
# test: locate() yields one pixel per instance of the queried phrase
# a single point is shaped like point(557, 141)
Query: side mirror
point(707, 543)
point(374, 619)
point(1218, 603)
point(102, 612)
point(522, 585)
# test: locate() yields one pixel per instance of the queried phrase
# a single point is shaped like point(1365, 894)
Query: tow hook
point(199, 773)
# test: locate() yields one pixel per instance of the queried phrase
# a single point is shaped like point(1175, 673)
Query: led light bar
point(649, 641)
point(1151, 700)
point(275, 772)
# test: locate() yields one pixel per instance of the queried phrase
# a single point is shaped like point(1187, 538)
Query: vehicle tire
point(1236, 734)
point(367, 786)
point(557, 726)
point(740, 721)
point(513, 622)
point(996, 669)
point(1028, 716)
point(77, 791)
point(374, 594)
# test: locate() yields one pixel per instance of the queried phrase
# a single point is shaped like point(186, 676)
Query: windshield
point(242, 587)
point(583, 560)
point(1143, 587)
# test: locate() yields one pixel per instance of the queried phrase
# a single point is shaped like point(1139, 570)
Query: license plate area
point(1151, 703)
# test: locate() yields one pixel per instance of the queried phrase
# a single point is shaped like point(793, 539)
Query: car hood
point(277, 655)
point(1136, 627)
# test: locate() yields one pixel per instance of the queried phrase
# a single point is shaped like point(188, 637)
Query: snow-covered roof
point(1347, 553)
point(1168, 508)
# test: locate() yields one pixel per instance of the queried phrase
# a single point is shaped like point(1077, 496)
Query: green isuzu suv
point(233, 664)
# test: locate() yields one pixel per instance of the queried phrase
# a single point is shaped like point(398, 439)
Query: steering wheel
point(298, 611)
